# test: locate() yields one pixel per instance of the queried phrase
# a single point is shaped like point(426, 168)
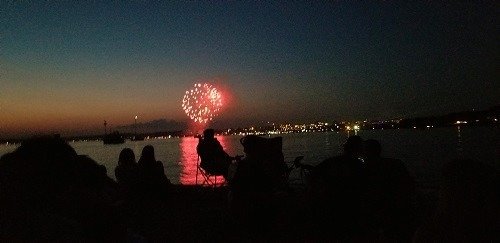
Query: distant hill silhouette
point(475, 117)
point(154, 126)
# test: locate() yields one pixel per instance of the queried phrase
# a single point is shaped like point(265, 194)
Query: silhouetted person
point(468, 207)
point(153, 178)
point(214, 159)
point(388, 198)
point(255, 182)
point(251, 174)
point(49, 193)
point(337, 190)
point(127, 172)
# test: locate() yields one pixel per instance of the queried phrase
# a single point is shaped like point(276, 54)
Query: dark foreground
point(189, 213)
point(50, 193)
point(195, 213)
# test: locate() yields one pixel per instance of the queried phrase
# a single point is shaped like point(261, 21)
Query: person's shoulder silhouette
point(345, 164)
point(389, 193)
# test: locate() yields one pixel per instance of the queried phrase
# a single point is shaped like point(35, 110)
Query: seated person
point(258, 179)
point(263, 168)
point(214, 159)
point(388, 195)
point(336, 192)
point(153, 178)
point(127, 172)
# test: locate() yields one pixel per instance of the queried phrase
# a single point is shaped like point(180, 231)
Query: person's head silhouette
point(148, 154)
point(353, 146)
point(208, 133)
point(127, 157)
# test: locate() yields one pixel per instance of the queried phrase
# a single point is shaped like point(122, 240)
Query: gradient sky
point(65, 67)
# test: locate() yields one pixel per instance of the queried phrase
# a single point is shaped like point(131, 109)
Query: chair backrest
point(267, 151)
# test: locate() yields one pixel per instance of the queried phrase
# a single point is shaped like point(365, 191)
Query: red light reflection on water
point(189, 160)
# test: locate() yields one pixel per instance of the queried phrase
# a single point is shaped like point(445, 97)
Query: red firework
point(202, 103)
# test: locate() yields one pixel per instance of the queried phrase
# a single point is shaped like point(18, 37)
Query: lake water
point(423, 151)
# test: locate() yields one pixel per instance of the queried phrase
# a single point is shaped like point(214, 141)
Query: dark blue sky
point(68, 66)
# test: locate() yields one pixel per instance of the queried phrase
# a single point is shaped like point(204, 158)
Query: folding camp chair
point(207, 179)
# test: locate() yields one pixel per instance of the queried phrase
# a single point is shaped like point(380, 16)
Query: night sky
point(67, 67)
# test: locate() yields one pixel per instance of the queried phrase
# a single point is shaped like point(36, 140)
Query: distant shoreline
point(488, 117)
point(243, 132)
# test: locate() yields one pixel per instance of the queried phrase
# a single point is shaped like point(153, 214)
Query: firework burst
point(202, 103)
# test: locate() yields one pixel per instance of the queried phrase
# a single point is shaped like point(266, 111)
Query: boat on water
point(113, 138)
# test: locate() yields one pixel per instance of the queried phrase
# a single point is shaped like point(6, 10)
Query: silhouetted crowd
point(143, 178)
point(50, 193)
point(362, 195)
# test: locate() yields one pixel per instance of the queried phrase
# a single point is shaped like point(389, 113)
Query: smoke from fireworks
point(202, 103)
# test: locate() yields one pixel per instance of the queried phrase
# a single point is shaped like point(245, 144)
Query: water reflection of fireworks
point(202, 103)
